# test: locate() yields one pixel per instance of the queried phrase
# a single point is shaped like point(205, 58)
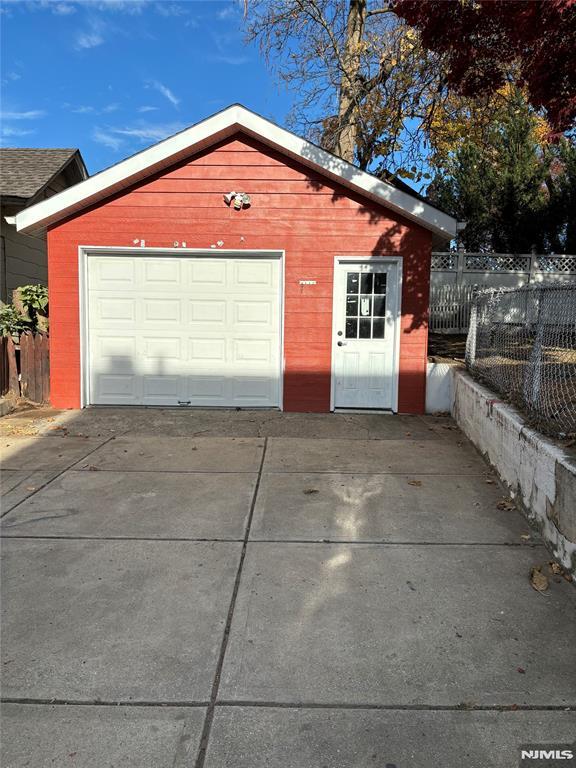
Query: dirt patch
point(446, 348)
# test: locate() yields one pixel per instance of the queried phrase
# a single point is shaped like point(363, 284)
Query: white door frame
point(84, 251)
point(398, 262)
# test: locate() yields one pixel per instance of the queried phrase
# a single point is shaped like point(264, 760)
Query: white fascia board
point(127, 172)
point(349, 175)
point(208, 132)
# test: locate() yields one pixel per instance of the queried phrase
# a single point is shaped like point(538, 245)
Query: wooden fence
point(25, 369)
point(450, 307)
point(4, 374)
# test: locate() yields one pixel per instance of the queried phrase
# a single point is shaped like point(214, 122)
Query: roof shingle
point(23, 172)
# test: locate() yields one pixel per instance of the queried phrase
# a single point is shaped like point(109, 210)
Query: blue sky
point(114, 76)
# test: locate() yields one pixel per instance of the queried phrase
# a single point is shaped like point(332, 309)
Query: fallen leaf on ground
point(309, 491)
point(506, 504)
point(525, 536)
point(521, 670)
point(417, 483)
point(538, 580)
point(555, 568)
point(490, 482)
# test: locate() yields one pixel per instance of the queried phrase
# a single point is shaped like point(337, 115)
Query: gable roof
point(25, 172)
point(212, 130)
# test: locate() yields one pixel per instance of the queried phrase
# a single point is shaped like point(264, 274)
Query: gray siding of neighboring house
point(23, 260)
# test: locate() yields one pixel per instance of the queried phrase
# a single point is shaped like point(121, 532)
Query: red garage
point(236, 264)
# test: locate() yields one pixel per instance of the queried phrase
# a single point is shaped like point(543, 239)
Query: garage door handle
point(341, 343)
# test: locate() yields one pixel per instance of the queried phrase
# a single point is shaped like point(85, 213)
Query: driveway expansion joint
point(208, 720)
point(290, 542)
point(56, 476)
point(99, 703)
point(463, 707)
point(468, 707)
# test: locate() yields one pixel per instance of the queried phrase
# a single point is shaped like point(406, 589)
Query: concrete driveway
point(263, 590)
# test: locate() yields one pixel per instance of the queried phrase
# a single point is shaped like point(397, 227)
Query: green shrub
point(11, 321)
point(28, 312)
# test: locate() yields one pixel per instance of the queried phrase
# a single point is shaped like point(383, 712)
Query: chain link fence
point(522, 344)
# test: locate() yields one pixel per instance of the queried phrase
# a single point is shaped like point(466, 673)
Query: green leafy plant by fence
point(28, 311)
point(24, 344)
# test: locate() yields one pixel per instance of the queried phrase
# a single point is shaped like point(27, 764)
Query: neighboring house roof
point(216, 128)
point(25, 172)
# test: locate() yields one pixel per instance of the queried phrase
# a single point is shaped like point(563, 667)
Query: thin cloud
point(231, 61)
point(131, 7)
point(170, 9)
point(227, 13)
point(87, 40)
point(8, 131)
point(225, 45)
point(165, 91)
point(146, 108)
point(92, 37)
point(63, 9)
point(144, 133)
point(57, 7)
point(31, 114)
point(107, 139)
point(86, 109)
point(149, 132)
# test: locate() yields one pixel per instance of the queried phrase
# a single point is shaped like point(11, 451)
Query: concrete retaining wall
point(537, 471)
point(439, 387)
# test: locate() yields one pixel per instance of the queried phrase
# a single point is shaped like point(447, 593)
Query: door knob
point(341, 343)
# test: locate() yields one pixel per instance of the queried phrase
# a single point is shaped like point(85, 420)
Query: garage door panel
point(208, 273)
point(251, 351)
point(162, 274)
point(161, 390)
point(161, 348)
point(117, 389)
point(251, 390)
point(249, 314)
point(114, 353)
point(206, 390)
point(194, 329)
point(252, 274)
point(162, 310)
point(118, 309)
point(113, 274)
point(209, 311)
point(208, 350)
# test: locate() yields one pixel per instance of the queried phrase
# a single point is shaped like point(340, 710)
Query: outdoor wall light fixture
point(237, 199)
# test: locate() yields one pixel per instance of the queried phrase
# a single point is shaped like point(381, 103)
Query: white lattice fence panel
point(491, 262)
point(560, 264)
point(444, 261)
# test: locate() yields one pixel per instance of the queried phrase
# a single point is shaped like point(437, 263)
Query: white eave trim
point(204, 134)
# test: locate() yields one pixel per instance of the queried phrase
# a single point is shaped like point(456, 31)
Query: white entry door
point(178, 329)
point(366, 306)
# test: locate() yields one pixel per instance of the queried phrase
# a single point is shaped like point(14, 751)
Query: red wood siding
point(293, 209)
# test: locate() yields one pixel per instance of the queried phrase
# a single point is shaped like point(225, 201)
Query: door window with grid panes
point(365, 305)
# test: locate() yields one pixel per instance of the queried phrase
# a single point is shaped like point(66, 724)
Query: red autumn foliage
point(483, 39)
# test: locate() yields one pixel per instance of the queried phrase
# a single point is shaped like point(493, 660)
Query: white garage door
point(183, 330)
